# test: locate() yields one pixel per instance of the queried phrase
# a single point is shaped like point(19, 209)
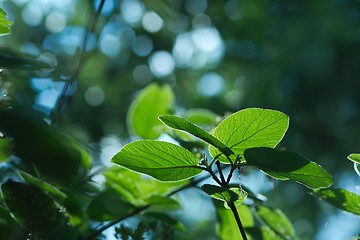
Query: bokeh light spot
point(132, 11)
point(94, 96)
point(161, 64)
point(32, 15)
point(210, 84)
point(142, 74)
point(142, 45)
point(55, 22)
point(110, 45)
point(152, 22)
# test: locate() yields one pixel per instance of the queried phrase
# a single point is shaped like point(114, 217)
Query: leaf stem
point(224, 183)
point(238, 221)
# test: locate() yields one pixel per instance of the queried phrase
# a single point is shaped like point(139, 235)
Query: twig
point(238, 221)
point(80, 61)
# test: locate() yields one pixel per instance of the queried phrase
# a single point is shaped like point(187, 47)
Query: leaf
point(108, 206)
point(161, 160)
point(220, 193)
point(31, 207)
point(4, 23)
point(228, 228)
point(262, 233)
point(252, 127)
point(180, 123)
point(153, 101)
point(285, 165)
point(277, 221)
point(340, 198)
point(355, 157)
point(6, 147)
point(135, 187)
point(201, 116)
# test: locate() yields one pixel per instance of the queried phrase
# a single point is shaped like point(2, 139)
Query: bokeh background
point(299, 57)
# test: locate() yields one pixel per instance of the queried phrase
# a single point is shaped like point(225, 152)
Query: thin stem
point(238, 221)
point(81, 57)
point(140, 209)
point(221, 174)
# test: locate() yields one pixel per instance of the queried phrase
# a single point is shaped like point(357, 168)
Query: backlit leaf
point(220, 193)
point(355, 157)
point(6, 146)
point(161, 160)
point(252, 127)
point(152, 101)
point(4, 23)
point(183, 124)
point(341, 199)
point(285, 165)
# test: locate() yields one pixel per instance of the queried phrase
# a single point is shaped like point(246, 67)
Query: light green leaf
point(228, 228)
point(4, 23)
point(161, 160)
point(355, 157)
point(242, 195)
point(152, 101)
point(340, 198)
point(252, 127)
point(277, 221)
point(201, 116)
point(183, 124)
point(285, 165)
point(262, 233)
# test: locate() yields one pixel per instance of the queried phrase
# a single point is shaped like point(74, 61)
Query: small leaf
point(153, 101)
point(161, 160)
point(4, 23)
point(277, 221)
point(340, 198)
point(242, 195)
point(183, 124)
point(355, 157)
point(220, 193)
point(252, 127)
point(6, 146)
point(285, 165)
point(31, 207)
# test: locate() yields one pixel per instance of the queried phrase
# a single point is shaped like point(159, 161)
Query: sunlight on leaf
point(161, 160)
point(285, 165)
point(152, 101)
point(252, 127)
point(4, 23)
point(262, 233)
point(220, 193)
point(183, 124)
point(355, 157)
point(340, 198)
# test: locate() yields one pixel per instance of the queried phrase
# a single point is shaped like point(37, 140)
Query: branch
point(80, 62)
point(238, 221)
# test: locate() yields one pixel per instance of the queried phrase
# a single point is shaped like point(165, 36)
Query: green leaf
point(277, 221)
point(135, 187)
point(262, 233)
point(180, 123)
point(228, 228)
point(355, 157)
point(252, 127)
point(285, 165)
point(31, 207)
point(220, 193)
point(161, 160)
point(340, 198)
point(108, 206)
point(4, 23)
point(153, 101)
point(201, 116)
point(241, 195)
point(6, 147)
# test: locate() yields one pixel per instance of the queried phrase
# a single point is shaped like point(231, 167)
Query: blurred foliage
point(300, 57)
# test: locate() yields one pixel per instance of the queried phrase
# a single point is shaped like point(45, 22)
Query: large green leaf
point(355, 157)
point(4, 23)
point(285, 165)
point(183, 124)
point(277, 221)
point(31, 207)
point(252, 127)
point(161, 160)
point(228, 228)
point(341, 199)
point(152, 101)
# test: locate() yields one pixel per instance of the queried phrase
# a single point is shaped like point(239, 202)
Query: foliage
point(50, 180)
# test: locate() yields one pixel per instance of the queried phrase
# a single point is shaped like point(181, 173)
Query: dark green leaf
point(285, 165)
point(107, 206)
point(6, 146)
point(180, 123)
point(340, 198)
point(277, 221)
point(4, 23)
point(355, 157)
point(161, 160)
point(31, 207)
point(220, 193)
point(144, 111)
point(252, 127)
